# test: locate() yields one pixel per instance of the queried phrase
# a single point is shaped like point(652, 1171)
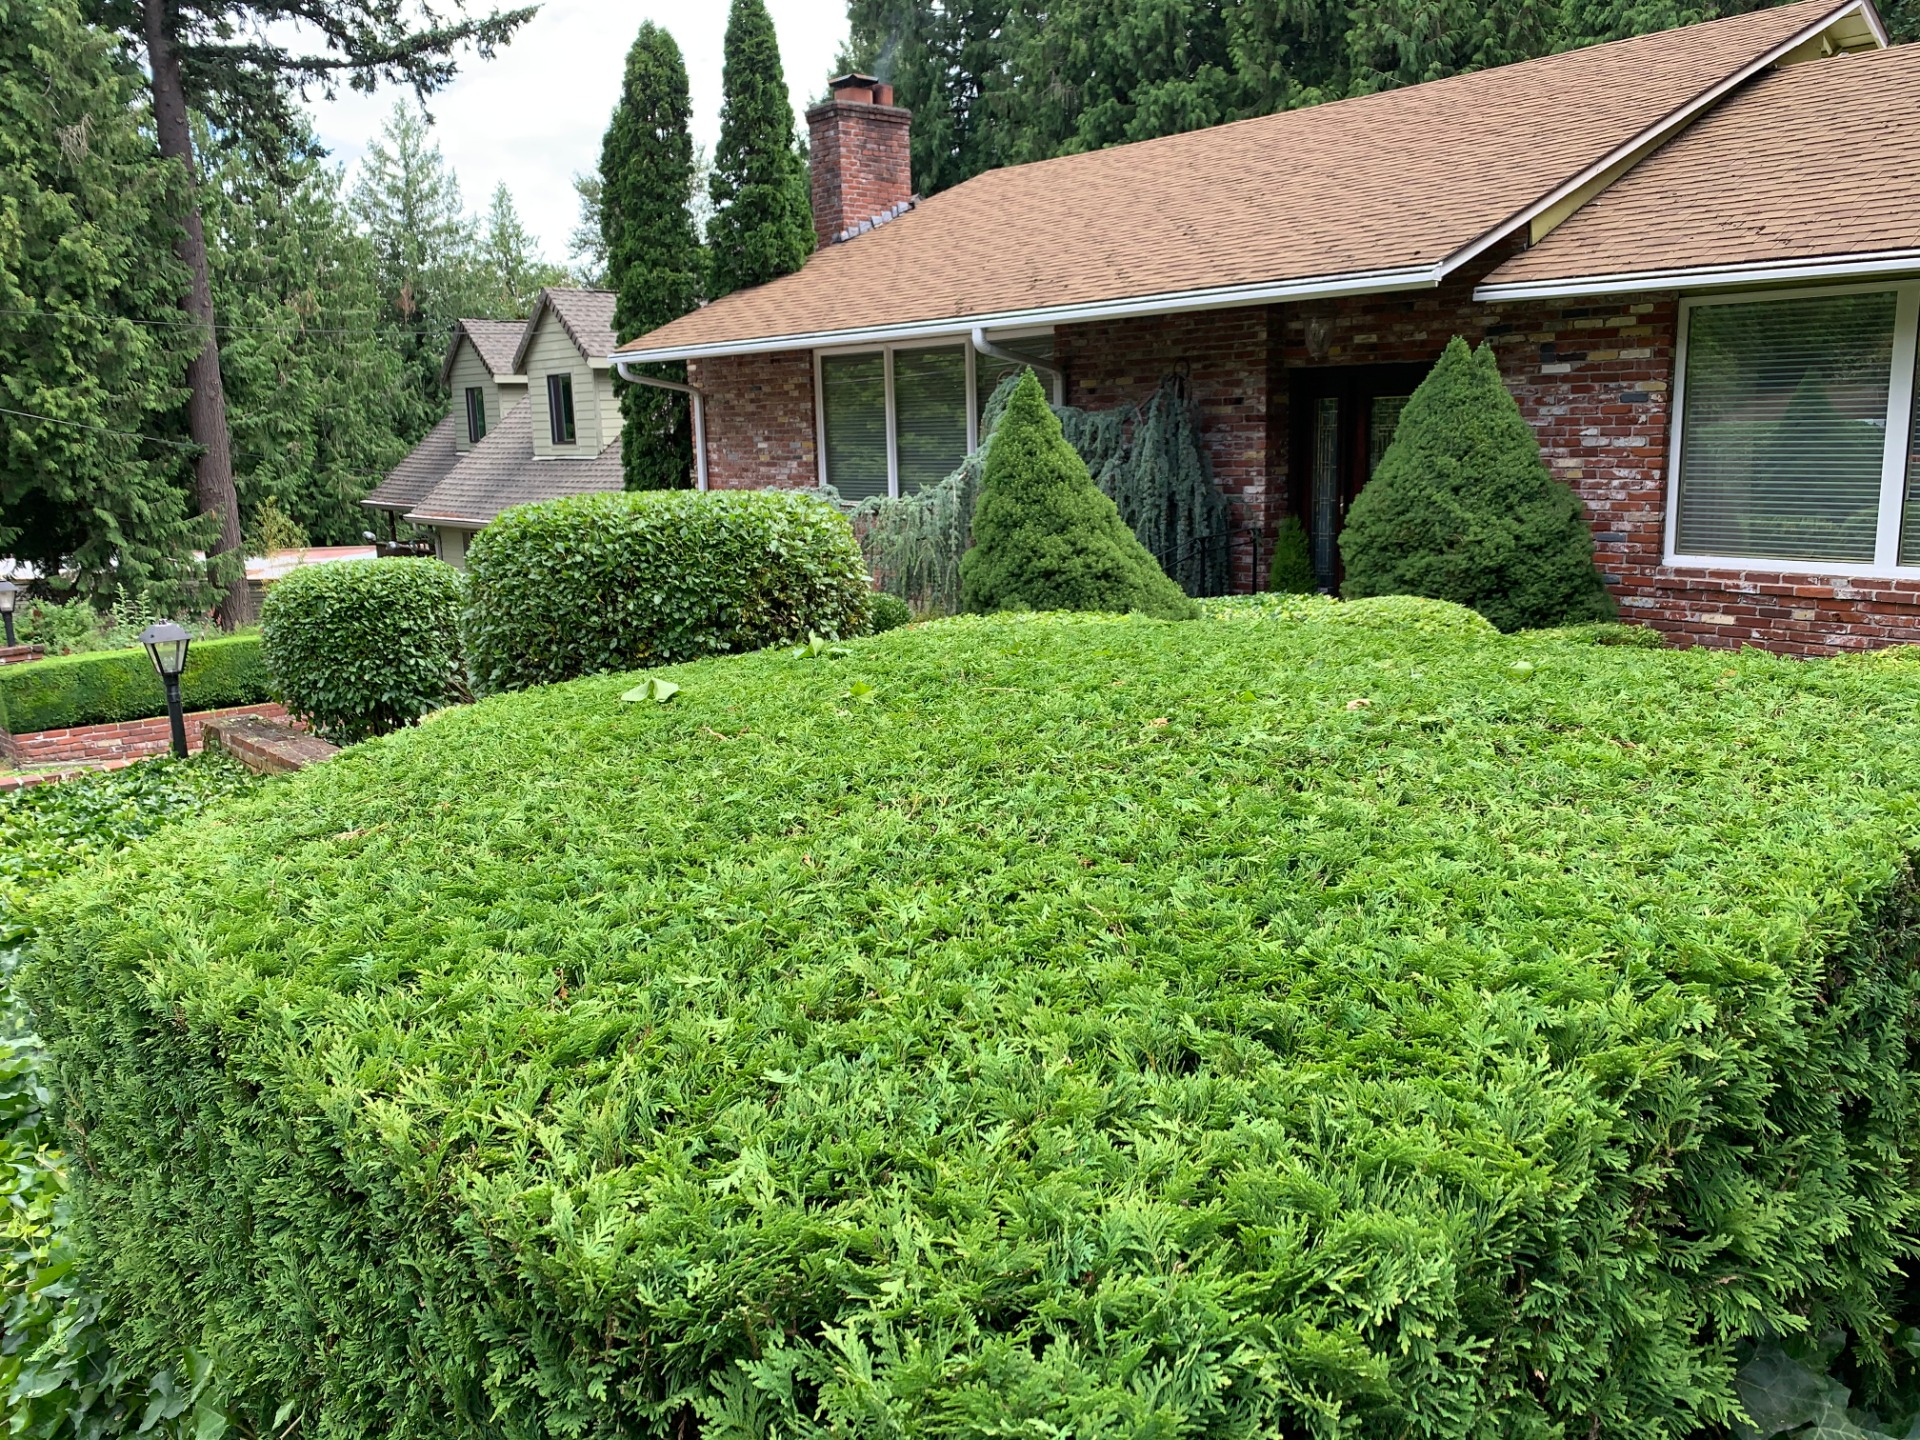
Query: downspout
point(1007, 357)
point(699, 398)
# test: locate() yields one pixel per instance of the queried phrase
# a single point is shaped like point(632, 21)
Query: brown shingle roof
point(586, 316)
point(425, 466)
point(1816, 160)
point(1399, 181)
point(501, 472)
point(496, 340)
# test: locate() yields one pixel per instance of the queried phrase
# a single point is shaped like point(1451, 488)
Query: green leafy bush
point(890, 612)
point(1044, 538)
point(365, 647)
point(1462, 508)
point(612, 582)
point(1292, 569)
point(1041, 1024)
point(110, 685)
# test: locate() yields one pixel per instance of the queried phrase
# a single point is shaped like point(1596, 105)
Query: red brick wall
point(1224, 354)
point(759, 414)
point(859, 164)
point(129, 739)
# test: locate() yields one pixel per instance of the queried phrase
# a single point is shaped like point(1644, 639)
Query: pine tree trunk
point(207, 398)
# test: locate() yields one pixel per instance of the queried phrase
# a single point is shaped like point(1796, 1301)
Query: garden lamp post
point(9, 596)
point(167, 644)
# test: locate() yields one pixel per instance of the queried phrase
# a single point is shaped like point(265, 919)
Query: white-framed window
point(895, 419)
point(1796, 442)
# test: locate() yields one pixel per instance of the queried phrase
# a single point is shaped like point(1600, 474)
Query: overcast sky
point(534, 114)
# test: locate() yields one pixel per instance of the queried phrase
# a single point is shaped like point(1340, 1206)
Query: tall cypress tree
point(94, 476)
point(762, 226)
point(653, 254)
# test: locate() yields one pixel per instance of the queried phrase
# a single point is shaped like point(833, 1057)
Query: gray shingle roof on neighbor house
point(424, 467)
point(497, 341)
point(586, 316)
point(501, 472)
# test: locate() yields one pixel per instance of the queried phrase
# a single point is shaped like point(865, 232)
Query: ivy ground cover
point(1347, 1022)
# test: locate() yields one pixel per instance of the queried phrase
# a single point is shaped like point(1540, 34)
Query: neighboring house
point(534, 418)
point(1696, 254)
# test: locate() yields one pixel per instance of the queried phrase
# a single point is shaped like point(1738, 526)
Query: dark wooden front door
point(1342, 419)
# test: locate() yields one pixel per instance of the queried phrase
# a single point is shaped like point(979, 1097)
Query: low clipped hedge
point(1026, 1025)
point(365, 647)
point(593, 583)
point(109, 685)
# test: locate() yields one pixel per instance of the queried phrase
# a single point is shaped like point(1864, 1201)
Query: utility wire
point(99, 429)
point(198, 324)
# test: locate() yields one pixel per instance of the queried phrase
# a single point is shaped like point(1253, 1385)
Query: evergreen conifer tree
point(1292, 569)
point(652, 253)
point(1463, 509)
point(1045, 538)
point(762, 225)
point(507, 262)
point(94, 475)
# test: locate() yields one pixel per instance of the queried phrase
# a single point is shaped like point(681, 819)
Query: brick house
point(1697, 255)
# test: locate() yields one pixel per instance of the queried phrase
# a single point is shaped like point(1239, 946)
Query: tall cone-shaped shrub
point(1463, 509)
point(654, 259)
point(762, 225)
point(1045, 538)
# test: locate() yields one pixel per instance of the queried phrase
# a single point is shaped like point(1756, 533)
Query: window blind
point(930, 415)
point(853, 392)
point(1784, 435)
point(1910, 516)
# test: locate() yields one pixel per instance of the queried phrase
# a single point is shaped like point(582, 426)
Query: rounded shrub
point(1038, 1025)
point(1045, 538)
point(1462, 508)
point(361, 648)
point(1408, 615)
point(594, 583)
point(1292, 570)
point(890, 612)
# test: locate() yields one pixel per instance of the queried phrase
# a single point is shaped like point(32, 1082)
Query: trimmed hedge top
point(593, 583)
point(108, 685)
point(1064, 1024)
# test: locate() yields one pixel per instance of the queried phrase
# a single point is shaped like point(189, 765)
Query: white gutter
point(994, 352)
point(1360, 282)
point(699, 398)
point(1766, 272)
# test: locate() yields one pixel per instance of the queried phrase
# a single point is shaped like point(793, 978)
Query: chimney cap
point(858, 89)
point(853, 80)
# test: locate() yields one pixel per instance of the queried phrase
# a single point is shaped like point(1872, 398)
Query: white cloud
point(534, 114)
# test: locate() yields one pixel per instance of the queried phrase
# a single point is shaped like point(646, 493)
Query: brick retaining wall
point(125, 740)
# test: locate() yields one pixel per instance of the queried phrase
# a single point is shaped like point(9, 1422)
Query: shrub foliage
point(1462, 508)
point(613, 582)
point(1039, 1025)
point(365, 647)
point(1044, 538)
point(102, 686)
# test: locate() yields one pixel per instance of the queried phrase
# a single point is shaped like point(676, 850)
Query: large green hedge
point(1066, 1025)
point(365, 647)
point(107, 685)
point(578, 586)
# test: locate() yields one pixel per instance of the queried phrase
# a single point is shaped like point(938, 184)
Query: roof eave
point(1367, 282)
point(1870, 265)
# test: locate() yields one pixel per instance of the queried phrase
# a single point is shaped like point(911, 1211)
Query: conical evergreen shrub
point(1463, 509)
point(1292, 571)
point(1045, 538)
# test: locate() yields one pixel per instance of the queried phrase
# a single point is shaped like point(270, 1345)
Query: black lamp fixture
point(9, 597)
point(167, 644)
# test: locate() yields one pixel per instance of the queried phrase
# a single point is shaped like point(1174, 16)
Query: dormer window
point(560, 408)
point(476, 414)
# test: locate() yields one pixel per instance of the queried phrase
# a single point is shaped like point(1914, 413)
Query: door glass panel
point(854, 394)
point(1383, 422)
point(1785, 428)
point(1910, 522)
point(1326, 490)
point(929, 415)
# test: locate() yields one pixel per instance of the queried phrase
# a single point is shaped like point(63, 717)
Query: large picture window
point(1796, 418)
point(894, 421)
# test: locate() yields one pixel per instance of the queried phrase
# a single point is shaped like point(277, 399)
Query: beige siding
point(470, 370)
point(609, 406)
point(453, 546)
point(554, 353)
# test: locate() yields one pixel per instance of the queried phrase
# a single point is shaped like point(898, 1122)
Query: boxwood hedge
point(108, 685)
point(1060, 1025)
point(574, 587)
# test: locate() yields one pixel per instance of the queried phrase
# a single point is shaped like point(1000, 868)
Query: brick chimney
point(862, 174)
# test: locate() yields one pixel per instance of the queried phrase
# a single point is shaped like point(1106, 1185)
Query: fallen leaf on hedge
point(655, 689)
point(1360, 704)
